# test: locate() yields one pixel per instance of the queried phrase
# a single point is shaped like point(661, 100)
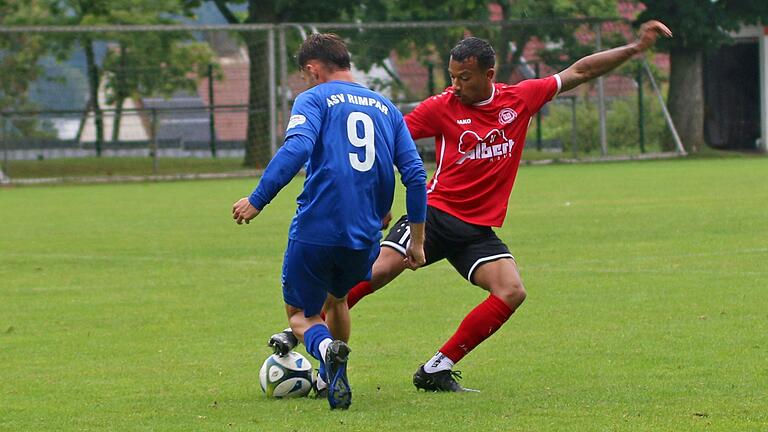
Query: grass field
point(118, 166)
point(143, 307)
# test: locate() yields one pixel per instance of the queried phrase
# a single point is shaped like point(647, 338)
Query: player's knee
point(511, 292)
point(383, 277)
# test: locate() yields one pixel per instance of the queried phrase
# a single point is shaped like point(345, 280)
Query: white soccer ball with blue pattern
point(286, 377)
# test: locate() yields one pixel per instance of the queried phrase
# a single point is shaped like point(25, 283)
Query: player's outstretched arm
point(280, 170)
point(594, 65)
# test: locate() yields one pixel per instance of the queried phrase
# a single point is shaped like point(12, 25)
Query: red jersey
point(478, 147)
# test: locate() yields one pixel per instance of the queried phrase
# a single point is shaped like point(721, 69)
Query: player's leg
point(306, 284)
point(350, 266)
point(507, 293)
point(387, 267)
point(298, 323)
point(390, 263)
point(285, 341)
point(485, 262)
point(337, 322)
point(332, 381)
point(337, 317)
point(502, 279)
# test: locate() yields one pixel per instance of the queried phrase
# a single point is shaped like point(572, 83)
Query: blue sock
point(312, 338)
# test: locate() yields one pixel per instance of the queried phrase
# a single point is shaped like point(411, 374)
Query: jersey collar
point(487, 101)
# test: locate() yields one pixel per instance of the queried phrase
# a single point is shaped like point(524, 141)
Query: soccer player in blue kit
point(351, 138)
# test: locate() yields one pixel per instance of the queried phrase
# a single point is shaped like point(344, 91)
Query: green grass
point(142, 166)
point(118, 166)
point(143, 307)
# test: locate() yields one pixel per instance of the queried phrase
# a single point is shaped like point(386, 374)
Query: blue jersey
point(352, 137)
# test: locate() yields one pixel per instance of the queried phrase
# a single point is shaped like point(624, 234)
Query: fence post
point(667, 116)
point(640, 114)
point(574, 143)
point(272, 91)
point(431, 78)
point(601, 94)
point(3, 137)
point(538, 115)
point(211, 114)
point(153, 141)
point(284, 89)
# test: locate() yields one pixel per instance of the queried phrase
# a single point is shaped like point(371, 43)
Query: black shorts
point(465, 245)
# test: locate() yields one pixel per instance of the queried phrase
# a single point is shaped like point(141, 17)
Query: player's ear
point(317, 70)
point(490, 74)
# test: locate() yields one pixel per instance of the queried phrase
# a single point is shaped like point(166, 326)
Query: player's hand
point(649, 32)
point(414, 256)
point(387, 219)
point(243, 211)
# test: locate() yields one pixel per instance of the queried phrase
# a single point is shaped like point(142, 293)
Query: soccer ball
point(286, 377)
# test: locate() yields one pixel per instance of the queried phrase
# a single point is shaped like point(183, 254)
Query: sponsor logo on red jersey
point(494, 145)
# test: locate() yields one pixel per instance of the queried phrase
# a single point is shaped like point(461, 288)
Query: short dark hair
point(477, 48)
point(328, 48)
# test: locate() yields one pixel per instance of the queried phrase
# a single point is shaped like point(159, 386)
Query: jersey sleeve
point(306, 117)
point(281, 169)
point(536, 92)
point(412, 173)
point(424, 119)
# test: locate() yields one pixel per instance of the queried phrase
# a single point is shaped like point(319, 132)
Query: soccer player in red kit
point(479, 128)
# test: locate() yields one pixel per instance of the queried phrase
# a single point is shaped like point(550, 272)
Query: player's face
point(470, 82)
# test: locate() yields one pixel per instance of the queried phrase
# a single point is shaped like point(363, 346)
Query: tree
point(156, 63)
point(570, 48)
point(431, 48)
point(152, 63)
point(257, 148)
point(698, 26)
point(19, 55)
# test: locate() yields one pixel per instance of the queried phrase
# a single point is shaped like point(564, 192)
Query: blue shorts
point(311, 272)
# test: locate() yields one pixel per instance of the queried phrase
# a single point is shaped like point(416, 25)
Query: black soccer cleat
point(283, 343)
point(339, 390)
point(320, 393)
point(442, 381)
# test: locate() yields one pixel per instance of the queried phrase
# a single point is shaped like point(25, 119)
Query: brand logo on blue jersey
point(296, 120)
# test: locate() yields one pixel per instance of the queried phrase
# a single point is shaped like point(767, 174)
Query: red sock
point(357, 292)
point(477, 326)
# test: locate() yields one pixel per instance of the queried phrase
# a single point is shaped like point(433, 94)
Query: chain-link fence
point(164, 99)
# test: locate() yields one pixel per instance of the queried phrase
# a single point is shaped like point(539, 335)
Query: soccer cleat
point(320, 387)
point(442, 381)
point(283, 343)
point(339, 391)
